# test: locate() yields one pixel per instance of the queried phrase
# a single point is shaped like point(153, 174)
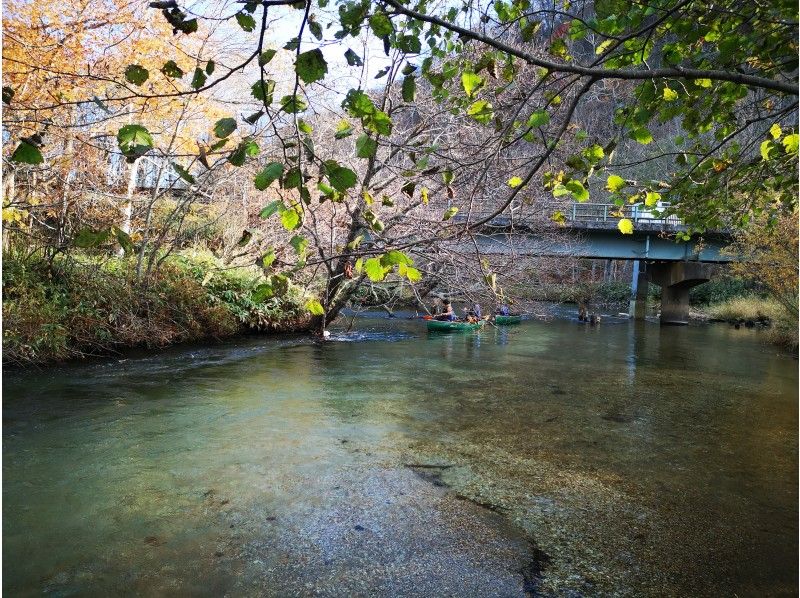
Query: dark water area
point(549, 458)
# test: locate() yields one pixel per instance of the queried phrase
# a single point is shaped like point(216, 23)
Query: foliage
point(701, 100)
point(770, 251)
point(84, 306)
point(722, 288)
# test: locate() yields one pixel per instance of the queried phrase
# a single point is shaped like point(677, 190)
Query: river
point(549, 458)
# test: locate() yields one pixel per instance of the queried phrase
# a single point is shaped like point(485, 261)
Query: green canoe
point(503, 320)
point(441, 326)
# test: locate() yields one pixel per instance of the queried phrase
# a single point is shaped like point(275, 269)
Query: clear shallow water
point(637, 460)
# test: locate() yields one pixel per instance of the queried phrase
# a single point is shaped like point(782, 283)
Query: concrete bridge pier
point(675, 280)
point(639, 288)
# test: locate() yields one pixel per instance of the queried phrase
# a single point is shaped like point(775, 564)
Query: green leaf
point(304, 127)
point(594, 154)
point(670, 95)
point(315, 28)
point(775, 131)
point(615, 183)
point(381, 25)
point(210, 66)
point(124, 240)
point(409, 88)
point(299, 244)
point(374, 269)
point(340, 177)
point(8, 94)
point(224, 127)
point(272, 172)
point(263, 91)
point(471, 83)
point(540, 118)
point(27, 153)
point(352, 58)
point(292, 104)
point(290, 219)
point(134, 141)
point(625, 226)
point(247, 148)
point(199, 78)
point(579, 192)
point(183, 173)
point(514, 182)
point(449, 213)
point(366, 147)
point(262, 291)
point(269, 258)
point(246, 21)
point(394, 257)
point(447, 176)
point(703, 82)
point(311, 66)
point(172, 70)
point(481, 111)
point(379, 122)
point(265, 56)
point(766, 147)
point(641, 135)
point(88, 238)
point(271, 208)
point(790, 143)
point(293, 179)
point(413, 274)
point(410, 44)
point(343, 129)
point(136, 74)
point(315, 307)
point(253, 118)
point(651, 198)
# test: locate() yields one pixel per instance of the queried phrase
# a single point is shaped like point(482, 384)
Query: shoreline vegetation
point(83, 306)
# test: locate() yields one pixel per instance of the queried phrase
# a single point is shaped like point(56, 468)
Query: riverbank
point(84, 306)
point(752, 311)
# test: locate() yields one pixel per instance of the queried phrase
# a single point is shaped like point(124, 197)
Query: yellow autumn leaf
point(670, 94)
point(514, 182)
point(625, 226)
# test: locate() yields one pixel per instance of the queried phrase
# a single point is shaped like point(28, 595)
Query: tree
point(707, 90)
point(770, 252)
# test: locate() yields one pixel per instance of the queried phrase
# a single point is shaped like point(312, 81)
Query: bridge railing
point(607, 212)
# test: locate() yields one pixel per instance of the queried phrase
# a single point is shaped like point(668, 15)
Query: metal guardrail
point(611, 213)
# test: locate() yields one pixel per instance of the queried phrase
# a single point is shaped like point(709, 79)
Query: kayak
point(444, 326)
point(503, 320)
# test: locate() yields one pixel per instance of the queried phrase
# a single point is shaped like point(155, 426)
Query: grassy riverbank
point(84, 306)
point(751, 309)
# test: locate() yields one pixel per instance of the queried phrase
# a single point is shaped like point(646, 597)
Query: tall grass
point(83, 306)
point(783, 328)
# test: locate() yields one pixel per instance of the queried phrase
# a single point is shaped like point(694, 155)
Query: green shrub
point(721, 289)
point(82, 306)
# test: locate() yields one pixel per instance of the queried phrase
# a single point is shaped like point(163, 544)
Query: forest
point(179, 171)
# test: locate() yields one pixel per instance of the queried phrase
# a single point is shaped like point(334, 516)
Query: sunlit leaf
point(625, 226)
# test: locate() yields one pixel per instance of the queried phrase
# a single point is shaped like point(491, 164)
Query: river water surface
point(549, 458)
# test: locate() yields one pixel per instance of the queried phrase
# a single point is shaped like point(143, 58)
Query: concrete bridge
point(591, 232)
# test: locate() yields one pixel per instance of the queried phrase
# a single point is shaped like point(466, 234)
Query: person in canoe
point(474, 314)
point(448, 315)
point(503, 310)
